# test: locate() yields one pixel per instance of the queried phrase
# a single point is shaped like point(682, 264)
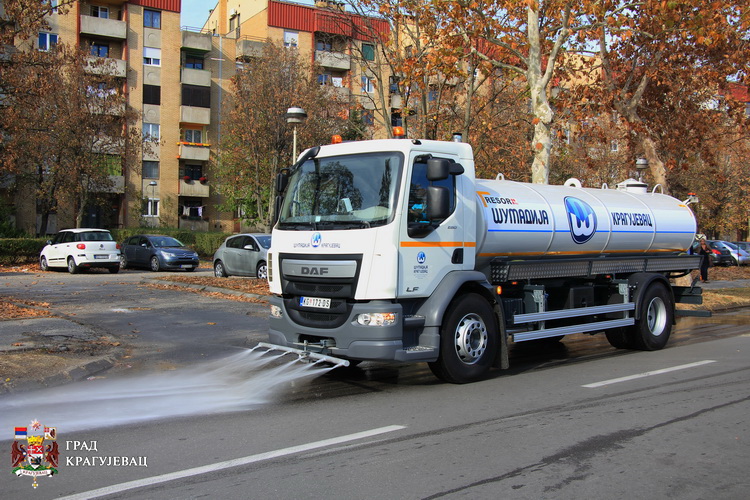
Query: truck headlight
point(276, 312)
point(376, 319)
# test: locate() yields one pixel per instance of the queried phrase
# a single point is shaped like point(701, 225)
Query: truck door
point(428, 249)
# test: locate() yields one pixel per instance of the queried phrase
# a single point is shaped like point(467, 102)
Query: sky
point(195, 12)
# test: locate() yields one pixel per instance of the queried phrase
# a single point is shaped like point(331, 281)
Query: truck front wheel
point(468, 340)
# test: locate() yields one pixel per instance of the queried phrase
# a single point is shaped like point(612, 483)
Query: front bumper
point(351, 340)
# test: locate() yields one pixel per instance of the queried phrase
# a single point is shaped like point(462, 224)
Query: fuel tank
point(518, 219)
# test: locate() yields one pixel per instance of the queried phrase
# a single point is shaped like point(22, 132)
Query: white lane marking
point(648, 374)
point(118, 488)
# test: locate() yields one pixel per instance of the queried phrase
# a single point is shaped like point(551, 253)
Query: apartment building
point(177, 79)
point(340, 43)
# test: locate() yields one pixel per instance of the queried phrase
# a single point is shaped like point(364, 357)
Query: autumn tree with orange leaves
point(257, 140)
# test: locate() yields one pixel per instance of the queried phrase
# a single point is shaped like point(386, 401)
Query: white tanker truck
point(393, 250)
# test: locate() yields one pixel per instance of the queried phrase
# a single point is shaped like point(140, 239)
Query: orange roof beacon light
point(398, 132)
point(336, 139)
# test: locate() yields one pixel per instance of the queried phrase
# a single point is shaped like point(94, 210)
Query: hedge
point(15, 251)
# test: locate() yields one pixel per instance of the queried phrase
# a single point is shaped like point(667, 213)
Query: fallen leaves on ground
point(13, 309)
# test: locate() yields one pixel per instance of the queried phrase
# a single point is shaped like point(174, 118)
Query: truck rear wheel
point(468, 340)
point(651, 332)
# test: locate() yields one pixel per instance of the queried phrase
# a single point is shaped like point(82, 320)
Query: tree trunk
point(540, 107)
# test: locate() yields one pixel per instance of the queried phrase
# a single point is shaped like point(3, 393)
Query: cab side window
point(418, 193)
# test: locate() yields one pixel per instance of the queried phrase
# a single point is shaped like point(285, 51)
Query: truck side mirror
point(439, 169)
point(438, 203)
point(282, 179)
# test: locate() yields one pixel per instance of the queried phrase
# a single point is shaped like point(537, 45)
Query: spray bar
point(304, 354)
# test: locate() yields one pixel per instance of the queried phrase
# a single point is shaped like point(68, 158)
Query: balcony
point(340, 94)
point(194, 188)
point(250, 48)
point(194, 114)
point(116, 185)
point(196, 41)
point(191, 224)
point(200, 77)
point(106, 66)
point(104, 28)
point(190, 151)
point(333, 60)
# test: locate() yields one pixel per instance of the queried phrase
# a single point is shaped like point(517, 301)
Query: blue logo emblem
point(316, 240)
point(421, 257)
point(581, 218)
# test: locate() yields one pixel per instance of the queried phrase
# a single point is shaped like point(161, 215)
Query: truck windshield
point(342, 192)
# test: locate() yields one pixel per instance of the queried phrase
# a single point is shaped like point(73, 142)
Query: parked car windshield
point(265, 241)
point(342, 192)
point(166, 241)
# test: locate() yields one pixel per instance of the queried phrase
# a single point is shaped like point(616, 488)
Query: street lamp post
point(641, 164)
point(295, 115)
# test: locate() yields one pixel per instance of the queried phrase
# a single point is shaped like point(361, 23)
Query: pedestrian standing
point(705, 252)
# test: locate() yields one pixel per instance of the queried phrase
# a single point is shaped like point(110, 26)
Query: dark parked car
point(721, 254)
point(243, 255)
point(157, 253)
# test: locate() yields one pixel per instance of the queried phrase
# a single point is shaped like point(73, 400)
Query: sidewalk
point(51, 351)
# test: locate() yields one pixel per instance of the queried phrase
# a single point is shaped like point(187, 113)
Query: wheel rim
point(71, 265)
point(471, 339)
point(123, 262)
point(43, 264)
point(219, 270)
point(262, 272)
point(154, 264)
point(656, 316)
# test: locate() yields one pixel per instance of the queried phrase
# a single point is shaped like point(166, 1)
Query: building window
point(100, 12)
point(194, 171)
point(368, 52)
point(291, 39)
point(368, 84)
point(195, 95)
point(152, 94)
point(193, 135)
point(368, 117)
point(152, 19)
point(193, 62)
point(150, 169)
point(151, 208)
point(323, 46)
point(47, 41)
point(151, 56)
point(151, 132)
point(324, 79)
point(99, 49)
point(396, 119)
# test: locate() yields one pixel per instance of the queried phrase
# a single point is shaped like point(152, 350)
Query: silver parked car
point(243, 255)
point(739, 256)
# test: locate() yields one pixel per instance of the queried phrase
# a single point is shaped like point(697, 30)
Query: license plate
point(101, 256)
point(315, 302)
point(186, 266)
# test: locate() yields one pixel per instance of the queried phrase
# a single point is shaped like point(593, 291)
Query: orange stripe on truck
point(434, 244)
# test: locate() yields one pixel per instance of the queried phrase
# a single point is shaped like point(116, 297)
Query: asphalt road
point(574, 420)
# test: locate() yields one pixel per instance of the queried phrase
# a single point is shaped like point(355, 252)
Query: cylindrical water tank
point(517, 219)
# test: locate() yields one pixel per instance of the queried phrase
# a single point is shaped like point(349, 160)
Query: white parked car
point(81, 248)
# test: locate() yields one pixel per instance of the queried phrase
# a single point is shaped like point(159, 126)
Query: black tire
point(261, 272)
point(123, 261)
point(620, 338)
point(155, 264)
point(43, 264)
point(651, 332)
point(114, 270)
point(468, 340)
point(72, 266)
point(219, 270)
